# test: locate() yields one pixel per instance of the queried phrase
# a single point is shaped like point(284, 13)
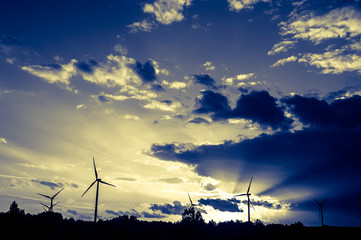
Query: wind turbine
point(97, 180)
point(248, 200)
point(50, 209)
point(320, 206)
point(192, 204)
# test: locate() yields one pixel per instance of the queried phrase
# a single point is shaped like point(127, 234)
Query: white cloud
point(284, 61)
point(282, 46)
point(143, 26)
point(57, 73)
point(115, 72)
point(163, 105)
point(120, 49)
point(237, 5)
point(80, 106)
point(339, 23)
point(209, 66)
point(335, 62)
point(175, 84)
point(239, 77)
point(167, 11)
point(131, 117)
point(3, 140)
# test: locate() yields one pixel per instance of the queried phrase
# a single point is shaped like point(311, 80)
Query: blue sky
point(183, 96)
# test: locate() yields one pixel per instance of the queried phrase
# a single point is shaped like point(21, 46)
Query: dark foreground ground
point(53, 226)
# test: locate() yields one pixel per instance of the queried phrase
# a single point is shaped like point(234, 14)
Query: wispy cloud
point(338, 24)
point(238, 5)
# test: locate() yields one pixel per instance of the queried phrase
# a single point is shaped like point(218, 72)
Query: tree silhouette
point(190, 215)
point(15, 210)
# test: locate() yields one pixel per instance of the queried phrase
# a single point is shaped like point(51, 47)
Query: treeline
point(15, 224)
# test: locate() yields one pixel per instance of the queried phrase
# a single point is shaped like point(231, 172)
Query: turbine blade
point(243, 194)
point(107, 183)
point(44, 205)
point(57, 193)
point(323, 201)
point(88, 188)
point(44, 195)
point(95, 169)
point(190, 199)
point(56, 203)
point(249, 185)
point(317, 202)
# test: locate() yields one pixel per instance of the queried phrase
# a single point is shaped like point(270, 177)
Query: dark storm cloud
point(198, 120)
point(342, 113)
point(214, 103)
point(261, 108)
point(257, 106)
point(146, 71)
point(265, 204)
point(177, 208)
point(87, 66)
point(323, 157)
point(49, 184)
point(152, 215)
point(132, 212)
point(158, 88)
point(104, 99)
point(205, 80)
point(228, 205)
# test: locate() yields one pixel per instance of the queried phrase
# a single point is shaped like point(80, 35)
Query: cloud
point(283, 61)
point(152, 215)
point(205, 80)
point(172, 180)
point(282, 46)
point(177, 208)
point(259, 107)
point(214, 103)
point(52, 185)
point(54, 73)
point(167, 11)
point(209, 66)
point(198, 120)
point(143, 26)
point(120, 49)
point(335, 61)
point(3, 140)
point(165, 105)
point(175, 84)
point(239, 77)
point(237, 5)
point(146, 71)
point(320, 160)
point(86, 66)
point(223, 205)
point(132, 212)
point(341, 27)
point(338, 23)
point(342, 113)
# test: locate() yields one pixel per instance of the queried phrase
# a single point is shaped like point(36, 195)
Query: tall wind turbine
point(97, 180)
point(248, 200)
point(192, 204)
point(50, 209)
point(320, 206)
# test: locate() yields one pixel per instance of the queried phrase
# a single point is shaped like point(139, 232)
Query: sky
point(183, 96)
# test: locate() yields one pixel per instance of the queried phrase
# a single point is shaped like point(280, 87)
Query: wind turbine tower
point(320, 206)
point(248, 200)
point(50, 209)
point(97, 180)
